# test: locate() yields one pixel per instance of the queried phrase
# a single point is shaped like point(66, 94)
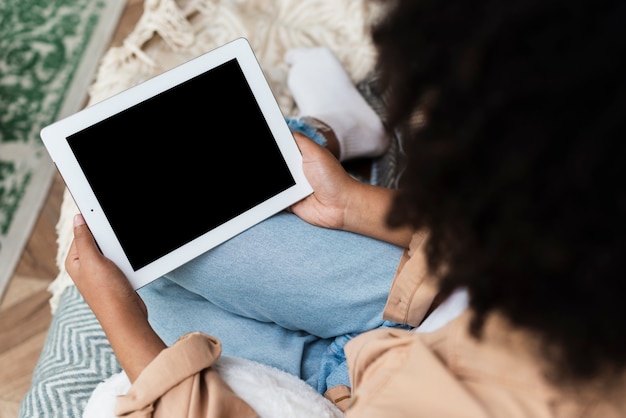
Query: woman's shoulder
point(449, 372)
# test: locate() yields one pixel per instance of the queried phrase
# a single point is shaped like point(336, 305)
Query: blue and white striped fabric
point(75, 358)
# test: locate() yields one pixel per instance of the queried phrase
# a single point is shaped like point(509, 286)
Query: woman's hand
point(109, 294)
point(342, 202)
point(99, 280)
point(332, 185)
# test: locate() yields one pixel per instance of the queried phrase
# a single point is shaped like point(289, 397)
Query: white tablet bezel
point(55, 139)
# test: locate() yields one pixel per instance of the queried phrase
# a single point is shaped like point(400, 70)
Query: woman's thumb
point(82, 236)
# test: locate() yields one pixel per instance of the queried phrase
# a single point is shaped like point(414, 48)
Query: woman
point(511, 117)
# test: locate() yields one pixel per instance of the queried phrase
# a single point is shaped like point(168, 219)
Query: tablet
point(180, 163)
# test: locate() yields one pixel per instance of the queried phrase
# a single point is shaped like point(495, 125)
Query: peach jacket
point(394, 373)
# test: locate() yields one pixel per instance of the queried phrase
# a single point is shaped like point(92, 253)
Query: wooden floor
point(24, 309)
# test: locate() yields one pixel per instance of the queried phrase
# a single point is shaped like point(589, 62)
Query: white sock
point(323, 90)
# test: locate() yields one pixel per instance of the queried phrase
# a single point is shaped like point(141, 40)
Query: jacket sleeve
point(413, 289)
point(180, 382)
point(394, 373)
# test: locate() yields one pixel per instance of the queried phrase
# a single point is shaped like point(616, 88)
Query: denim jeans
point(283, 293)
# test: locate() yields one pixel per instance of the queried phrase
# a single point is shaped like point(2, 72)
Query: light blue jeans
point(283, 293)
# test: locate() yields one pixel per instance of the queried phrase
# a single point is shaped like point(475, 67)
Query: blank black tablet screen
point(181, 163)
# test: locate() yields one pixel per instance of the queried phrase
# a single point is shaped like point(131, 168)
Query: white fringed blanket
point(171, 32)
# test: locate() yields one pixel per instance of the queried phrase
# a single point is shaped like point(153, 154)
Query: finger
point(71, 260)
point(305, 143)
point(85, 243)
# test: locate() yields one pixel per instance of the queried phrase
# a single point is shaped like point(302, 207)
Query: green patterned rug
point(49, 50)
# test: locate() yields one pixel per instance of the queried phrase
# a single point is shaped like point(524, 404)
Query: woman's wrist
point(132, 338)
point(366, 214)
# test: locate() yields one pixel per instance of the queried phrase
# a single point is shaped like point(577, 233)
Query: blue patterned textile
point(75, 358)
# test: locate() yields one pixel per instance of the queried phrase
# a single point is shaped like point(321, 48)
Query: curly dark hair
point(513, 116)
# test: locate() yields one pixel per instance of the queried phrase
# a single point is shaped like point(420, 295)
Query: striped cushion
point(75, 358)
